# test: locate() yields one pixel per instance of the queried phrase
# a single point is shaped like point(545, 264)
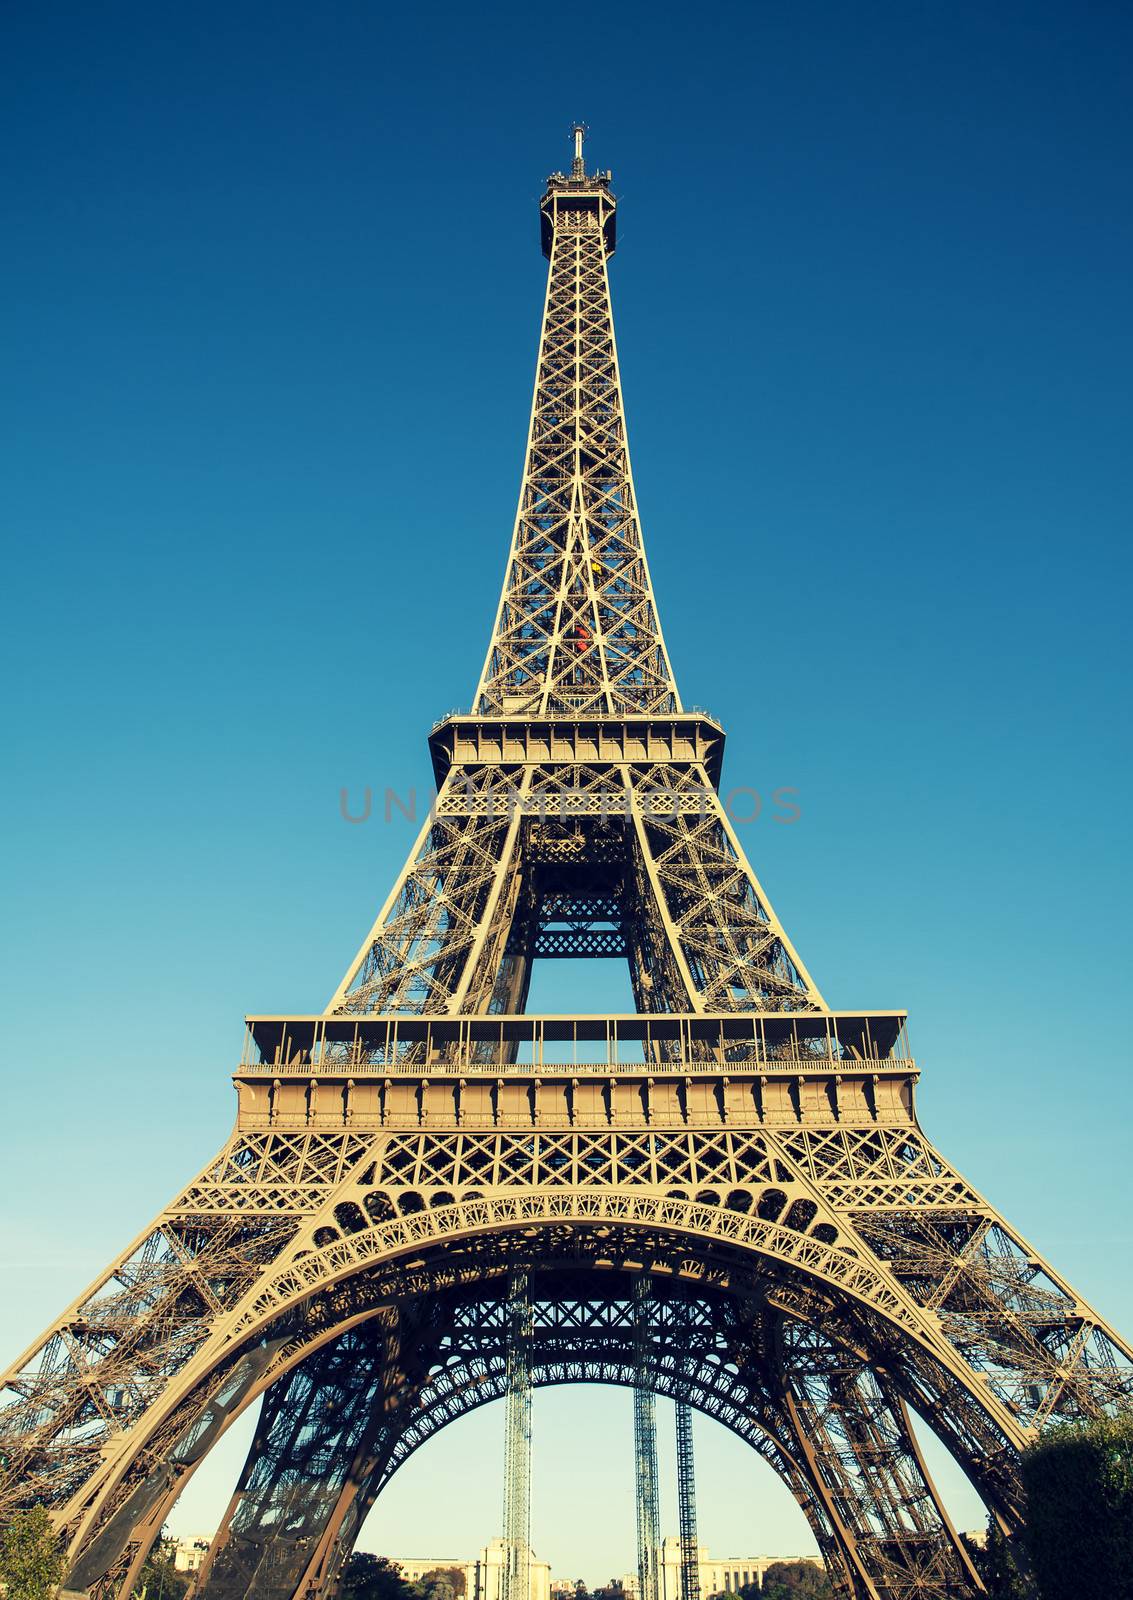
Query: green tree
point(441, 1583)
point(160, 1579)
point(369, 1577)
point(1079, 1532)
point(998, 1565)
point(796, 1580)
point(31, 1561)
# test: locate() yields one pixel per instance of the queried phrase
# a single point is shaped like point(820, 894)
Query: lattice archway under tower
point(812, 1356)
point(720, 1355)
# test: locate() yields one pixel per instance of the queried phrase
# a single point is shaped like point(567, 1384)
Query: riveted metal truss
point(686, 1504)
point(646, 1483)
point(818, 1274)
point(577, 631)
point(314, 1427)
point(515, 1578)
point(652, 849)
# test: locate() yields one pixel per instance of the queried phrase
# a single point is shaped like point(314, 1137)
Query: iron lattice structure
point(818, 1273)
point(686, 1504)
point(516, 1575)
point(646, 1483)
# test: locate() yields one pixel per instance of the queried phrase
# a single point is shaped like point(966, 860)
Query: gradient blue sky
point(269, 299)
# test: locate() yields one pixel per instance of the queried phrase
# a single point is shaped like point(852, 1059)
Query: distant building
point(190, 1553)
point(413, 1571)
point(723, 1575)
point(482, 1577)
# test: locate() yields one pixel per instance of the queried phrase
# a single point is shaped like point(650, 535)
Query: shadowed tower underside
point(432, 1199)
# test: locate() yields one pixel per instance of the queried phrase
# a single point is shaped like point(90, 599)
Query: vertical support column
point(645, 1450)
point(516, 1575)
point(686, 1505)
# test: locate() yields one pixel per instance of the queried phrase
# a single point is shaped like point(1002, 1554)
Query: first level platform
point(575, 1071)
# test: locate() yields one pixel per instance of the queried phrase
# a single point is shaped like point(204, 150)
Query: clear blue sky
point(269, 299)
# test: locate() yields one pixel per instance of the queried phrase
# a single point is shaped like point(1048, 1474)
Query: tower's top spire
point(571, 193)
point(578, 167)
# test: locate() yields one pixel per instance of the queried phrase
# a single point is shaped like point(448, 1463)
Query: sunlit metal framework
point(817, 1273)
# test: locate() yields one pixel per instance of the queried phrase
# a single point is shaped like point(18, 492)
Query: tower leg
point(309, 1430)
point(321, 1429)
point(855, 1436)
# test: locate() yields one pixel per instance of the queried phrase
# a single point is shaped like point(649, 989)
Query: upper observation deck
point(575, 195)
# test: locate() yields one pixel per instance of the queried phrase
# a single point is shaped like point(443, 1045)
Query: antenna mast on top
point(578, 167)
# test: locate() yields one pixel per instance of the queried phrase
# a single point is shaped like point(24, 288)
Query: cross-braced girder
point(650, 861)
point(686, 1504)
point(577, 631)
point(314, 1429)
point(647, 1511)
point(515, 1577)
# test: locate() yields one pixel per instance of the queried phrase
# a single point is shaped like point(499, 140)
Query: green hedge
point(1079, 1483)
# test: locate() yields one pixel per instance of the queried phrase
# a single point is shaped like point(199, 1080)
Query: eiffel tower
point(724, 1197)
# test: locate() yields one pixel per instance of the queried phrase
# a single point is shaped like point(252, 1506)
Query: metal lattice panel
point(686, 1505)
point(577, 630)
point(515, 1578)
point(646, 1484)
point(704, 935)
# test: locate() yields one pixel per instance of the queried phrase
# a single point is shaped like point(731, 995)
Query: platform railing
point(635, 1042)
